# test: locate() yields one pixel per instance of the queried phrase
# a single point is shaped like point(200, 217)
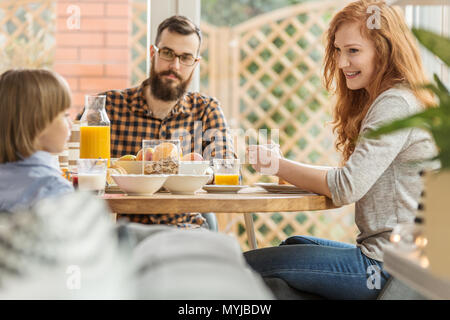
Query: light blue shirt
point(23, 183)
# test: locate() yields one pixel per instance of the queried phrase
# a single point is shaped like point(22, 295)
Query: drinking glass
point(92, 175)
point(226, 171)
point(270, 163)
point(161, 156)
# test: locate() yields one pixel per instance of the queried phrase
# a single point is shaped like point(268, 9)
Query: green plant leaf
point(435, 43)
point(442, 95)
point(440, 85)
point(440, 136)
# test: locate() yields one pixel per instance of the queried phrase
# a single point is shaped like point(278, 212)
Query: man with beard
point(160, 108)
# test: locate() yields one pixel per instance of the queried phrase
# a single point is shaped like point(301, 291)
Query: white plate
point(113, 188)
point(214, 188)
point(280, 188)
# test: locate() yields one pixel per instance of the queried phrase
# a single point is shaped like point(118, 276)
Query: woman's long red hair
point(397, 61)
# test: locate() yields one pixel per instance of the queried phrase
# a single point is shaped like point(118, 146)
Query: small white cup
point(92, 175)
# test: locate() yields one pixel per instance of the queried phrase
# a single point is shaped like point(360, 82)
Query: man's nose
point(175, 63)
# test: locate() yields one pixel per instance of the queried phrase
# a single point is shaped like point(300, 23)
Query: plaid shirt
point(196, 120)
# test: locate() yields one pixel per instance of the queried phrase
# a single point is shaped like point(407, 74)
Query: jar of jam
point(75, 180)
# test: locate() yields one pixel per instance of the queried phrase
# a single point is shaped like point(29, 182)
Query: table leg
point(249, 227)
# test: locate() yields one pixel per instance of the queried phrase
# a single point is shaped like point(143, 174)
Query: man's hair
point(29, 101)
point(181, 25)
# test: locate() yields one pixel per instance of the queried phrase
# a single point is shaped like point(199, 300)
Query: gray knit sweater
point(382, 176)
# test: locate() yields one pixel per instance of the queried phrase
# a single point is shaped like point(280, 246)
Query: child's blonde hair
point(29, 101)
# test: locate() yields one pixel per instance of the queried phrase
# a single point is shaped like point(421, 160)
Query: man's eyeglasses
point(169, 55)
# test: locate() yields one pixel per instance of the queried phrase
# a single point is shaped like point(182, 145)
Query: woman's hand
point(265, 158)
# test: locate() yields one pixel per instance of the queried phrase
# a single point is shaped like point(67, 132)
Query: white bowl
point(131, 167)
point(193, 167)
point(137, 184)
point(185, 183)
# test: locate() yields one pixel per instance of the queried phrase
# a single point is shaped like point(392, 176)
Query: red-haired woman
point(373, 66)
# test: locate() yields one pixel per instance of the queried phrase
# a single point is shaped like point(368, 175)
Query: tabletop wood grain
point(253, 199)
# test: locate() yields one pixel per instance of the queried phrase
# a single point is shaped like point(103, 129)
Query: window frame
point(417, 14)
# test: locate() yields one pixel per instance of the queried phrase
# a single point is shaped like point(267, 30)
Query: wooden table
point(247, 201)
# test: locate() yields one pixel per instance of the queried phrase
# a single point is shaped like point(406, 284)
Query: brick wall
point(96, 56)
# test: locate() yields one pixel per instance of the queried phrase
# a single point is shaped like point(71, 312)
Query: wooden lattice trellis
point(139, 41)
point(27, 31)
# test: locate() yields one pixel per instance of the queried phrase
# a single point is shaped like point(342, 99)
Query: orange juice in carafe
point(95, 142)
point(95, 131)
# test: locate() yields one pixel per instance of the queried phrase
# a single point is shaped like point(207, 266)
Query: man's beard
point(165, 91)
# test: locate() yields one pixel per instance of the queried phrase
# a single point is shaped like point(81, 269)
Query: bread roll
point(114, 169)
point(120, 169)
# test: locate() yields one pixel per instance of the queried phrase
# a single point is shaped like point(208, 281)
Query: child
point(34, 123)
point(373, 70)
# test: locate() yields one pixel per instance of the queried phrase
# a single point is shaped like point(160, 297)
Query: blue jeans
point(330, 269)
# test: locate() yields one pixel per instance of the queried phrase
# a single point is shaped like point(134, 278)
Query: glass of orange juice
point(226, 171)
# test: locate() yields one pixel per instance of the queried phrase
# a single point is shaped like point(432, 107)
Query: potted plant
point(436, 120)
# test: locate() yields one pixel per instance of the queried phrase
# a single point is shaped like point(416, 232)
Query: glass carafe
point(95, 130)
